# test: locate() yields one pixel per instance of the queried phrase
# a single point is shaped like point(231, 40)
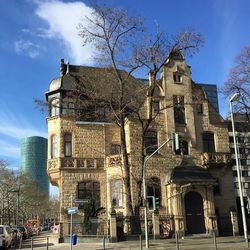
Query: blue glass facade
point(212, 94)
point(34, 160)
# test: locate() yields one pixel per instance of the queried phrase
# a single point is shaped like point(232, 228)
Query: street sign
point(72, 210)
point(81, 201)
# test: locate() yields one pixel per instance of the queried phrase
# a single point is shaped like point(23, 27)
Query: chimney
point(62, 69)
point(67, 71)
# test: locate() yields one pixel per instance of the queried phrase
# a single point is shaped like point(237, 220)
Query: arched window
point(55, 107)
point(90, 190)
point(153, 189)
point(208, 142)
point(67, 145)
point(54, 147)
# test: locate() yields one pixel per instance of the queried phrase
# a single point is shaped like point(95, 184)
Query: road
point(186, 243)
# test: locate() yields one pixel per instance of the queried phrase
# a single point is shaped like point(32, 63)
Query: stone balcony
point(114, 161)
point(55, 165)
point(215, 159)
point(75, 163)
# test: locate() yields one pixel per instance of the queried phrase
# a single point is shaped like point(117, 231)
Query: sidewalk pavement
point(186, 243)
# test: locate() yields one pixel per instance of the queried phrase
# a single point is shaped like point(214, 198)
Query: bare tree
point(121, 42)
point(239, 81)
point(112, 31)
point(20, 192)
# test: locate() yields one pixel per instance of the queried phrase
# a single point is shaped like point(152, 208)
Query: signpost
point(81, 201)
point(71, 210)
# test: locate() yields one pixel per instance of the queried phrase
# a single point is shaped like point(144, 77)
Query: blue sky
point(36, 34)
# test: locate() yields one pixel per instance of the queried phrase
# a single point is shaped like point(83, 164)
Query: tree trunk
point(126, 178)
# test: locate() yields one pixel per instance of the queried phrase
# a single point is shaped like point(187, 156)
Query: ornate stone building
point(194, 184)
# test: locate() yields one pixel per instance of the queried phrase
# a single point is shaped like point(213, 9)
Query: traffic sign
point(72, 210)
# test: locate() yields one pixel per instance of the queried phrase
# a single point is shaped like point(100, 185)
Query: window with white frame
point(54, 146)
point(116, 193)
point(55, 107)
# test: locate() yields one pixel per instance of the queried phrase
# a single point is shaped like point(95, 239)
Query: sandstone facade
point(195, 175)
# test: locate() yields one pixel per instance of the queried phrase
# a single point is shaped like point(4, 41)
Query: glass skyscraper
point(34, 160)
point(212, 94)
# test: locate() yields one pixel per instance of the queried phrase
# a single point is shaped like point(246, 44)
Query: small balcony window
point(67, 145)
point(208, 143)
point(55, 107)
point(115, 149)
point(54, 146)
point(177, 78)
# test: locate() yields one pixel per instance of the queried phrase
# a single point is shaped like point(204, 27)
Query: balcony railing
point(114, 160)
point(53, 164)
point(75, 163)
point(209, 159)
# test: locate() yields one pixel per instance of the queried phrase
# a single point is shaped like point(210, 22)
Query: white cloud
point(62, 19)
point(13, 127)
point(27, 47)
point(9, 150)
point(16, 127)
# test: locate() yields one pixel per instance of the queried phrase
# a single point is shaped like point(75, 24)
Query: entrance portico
point(190, 201)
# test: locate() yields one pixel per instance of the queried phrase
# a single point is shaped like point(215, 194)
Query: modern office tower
point(212, 94)
point(34, 160)
point(242, 131)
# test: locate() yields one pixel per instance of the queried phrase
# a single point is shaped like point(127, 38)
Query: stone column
point(235, 224)
point(178, 215)
point(156, 225)
point(211, 217)
point(113, 231)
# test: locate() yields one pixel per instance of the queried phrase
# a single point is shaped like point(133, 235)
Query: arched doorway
point(194, 213)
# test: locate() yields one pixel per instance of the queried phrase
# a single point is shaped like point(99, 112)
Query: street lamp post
point(235, 97)
point(145, 190)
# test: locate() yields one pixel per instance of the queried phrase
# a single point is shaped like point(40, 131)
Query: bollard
point(247, 242)
point(177, 240)
point(103, 243)
point(31, 243)
point(20, 244)
point(215, 242)
point(140, 241)
point(47, 242)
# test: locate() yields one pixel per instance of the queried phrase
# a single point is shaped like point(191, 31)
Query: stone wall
point(92, 159)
